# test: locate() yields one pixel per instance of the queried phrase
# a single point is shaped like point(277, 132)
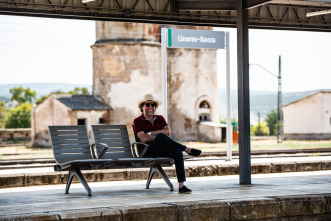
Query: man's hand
point(145, 138)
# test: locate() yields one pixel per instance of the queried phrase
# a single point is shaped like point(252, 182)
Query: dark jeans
point(164, 146)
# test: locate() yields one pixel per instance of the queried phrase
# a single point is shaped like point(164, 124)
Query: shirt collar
point(152, 121)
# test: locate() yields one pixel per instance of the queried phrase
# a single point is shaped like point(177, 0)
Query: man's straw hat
point(148, 97)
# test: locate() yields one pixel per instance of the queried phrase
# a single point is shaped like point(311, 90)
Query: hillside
point(40, 88)
point(260, 102)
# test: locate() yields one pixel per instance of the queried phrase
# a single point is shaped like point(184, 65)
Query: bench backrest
point(70, 143)
point(117, 139)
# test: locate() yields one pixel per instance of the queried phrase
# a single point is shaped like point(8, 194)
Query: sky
point(44, 50)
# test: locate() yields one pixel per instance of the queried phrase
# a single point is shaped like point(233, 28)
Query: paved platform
point(302, 191)
point(277, 196)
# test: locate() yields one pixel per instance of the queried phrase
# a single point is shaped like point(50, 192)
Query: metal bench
point(73, 152)
point(117, 139)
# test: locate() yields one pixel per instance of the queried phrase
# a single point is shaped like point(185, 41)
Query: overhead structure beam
point(204, 5)
point(266, 14)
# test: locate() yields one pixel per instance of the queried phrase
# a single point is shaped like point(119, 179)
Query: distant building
point(308, 118)
point(65, 110)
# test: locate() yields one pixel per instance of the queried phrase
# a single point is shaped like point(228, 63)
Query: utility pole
point(279, 99)
point(279, 106)
point(259, 128)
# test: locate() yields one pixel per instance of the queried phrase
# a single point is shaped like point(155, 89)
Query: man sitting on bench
point(154, 130)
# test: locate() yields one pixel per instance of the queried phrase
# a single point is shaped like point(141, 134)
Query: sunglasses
point(149, 104)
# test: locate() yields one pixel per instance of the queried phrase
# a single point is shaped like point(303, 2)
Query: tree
point(76, 91)
point(3, 114)
point(19, 116)
point(22, 95)
point(79, 91)
point(264, 129)
point(271, 120)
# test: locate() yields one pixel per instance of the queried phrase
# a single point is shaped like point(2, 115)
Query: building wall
point(15, 134)
point(49, 112)
point(192, 80)
point(125, 69)
point(52, 112)
point(309, 118)
point(326, 112)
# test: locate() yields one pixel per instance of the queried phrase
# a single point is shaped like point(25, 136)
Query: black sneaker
point(195, 152)
point(184, 189)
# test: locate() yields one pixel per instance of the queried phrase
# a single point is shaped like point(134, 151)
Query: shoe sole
point(185, 192)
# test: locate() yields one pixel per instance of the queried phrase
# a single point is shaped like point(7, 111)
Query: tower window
point(204, 104)
point(204, 111)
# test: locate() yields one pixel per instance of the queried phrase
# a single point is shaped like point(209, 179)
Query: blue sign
point(188, 38)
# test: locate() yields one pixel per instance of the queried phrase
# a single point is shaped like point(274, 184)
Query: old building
point(309, 118)
point(127, 65)
point(65, 110)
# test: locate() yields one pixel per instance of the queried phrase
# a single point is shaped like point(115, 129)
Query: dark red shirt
point(142, 124)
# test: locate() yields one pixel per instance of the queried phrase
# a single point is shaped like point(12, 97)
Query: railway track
point(49, 162)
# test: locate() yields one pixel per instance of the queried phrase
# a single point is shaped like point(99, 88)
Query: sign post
point(188, 38)
point(164, 33)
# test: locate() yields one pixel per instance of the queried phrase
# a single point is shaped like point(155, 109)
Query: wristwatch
point(149, 133)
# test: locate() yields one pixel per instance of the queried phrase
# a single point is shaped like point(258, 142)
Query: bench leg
point(159, 169)
point(76, 172)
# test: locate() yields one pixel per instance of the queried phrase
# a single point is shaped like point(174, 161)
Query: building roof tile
point(83, 102)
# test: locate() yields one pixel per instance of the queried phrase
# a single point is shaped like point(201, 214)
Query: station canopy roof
point(309, 15)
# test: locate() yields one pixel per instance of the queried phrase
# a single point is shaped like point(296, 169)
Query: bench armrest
point(134, 149)
point(94, 150)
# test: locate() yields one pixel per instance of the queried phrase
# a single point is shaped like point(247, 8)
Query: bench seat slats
point(68, 146)
point(109, 127)
point(61, 158)
point(110, 136)
point(66, 132)
point(71, 141)
point(59, 151)
point(116, 155)
point(118, 145)
point(67, 128)
point(120, 149)
point(70, 136)
point(66, 150)
point(114, 136)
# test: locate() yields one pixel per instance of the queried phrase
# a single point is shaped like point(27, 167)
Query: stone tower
point(127, 65)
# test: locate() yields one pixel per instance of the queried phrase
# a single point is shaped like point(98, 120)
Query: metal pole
point(243, 94)
point(228, 100)
point(164, 41)
point(259, 127)
point(280, 105)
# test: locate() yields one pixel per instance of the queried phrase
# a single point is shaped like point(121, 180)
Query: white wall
point(310, 115)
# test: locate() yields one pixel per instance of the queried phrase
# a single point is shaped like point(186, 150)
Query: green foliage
point(79, 91)
point(41, 99)
point(19, 116)
point(264, 129)
point(76, 91)
point(3, 114)
point(271, 120)
point(22, 95)
point(234, 122)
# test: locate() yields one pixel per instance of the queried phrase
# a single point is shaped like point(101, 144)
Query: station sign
point(188, 38)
